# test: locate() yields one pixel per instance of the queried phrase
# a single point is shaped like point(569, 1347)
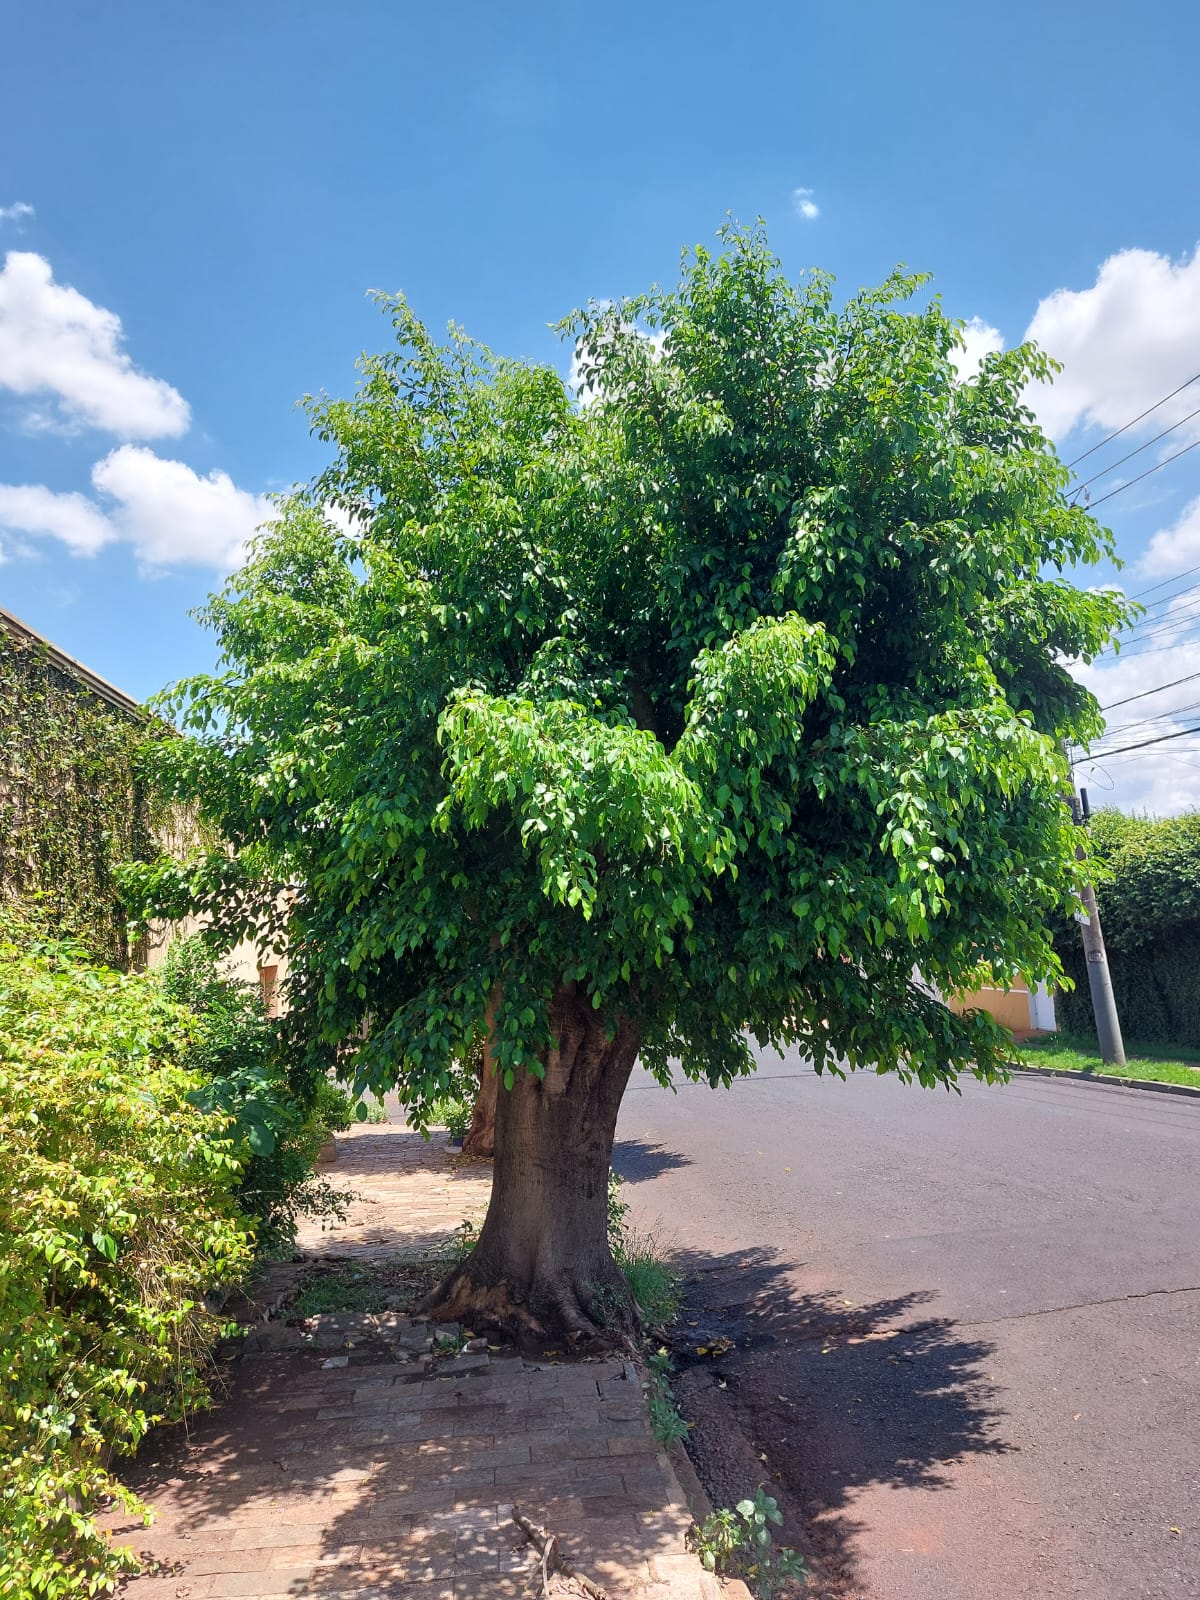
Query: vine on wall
point(72, 802)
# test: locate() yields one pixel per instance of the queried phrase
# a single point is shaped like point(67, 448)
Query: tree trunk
point(542, 1270)
point(481, 1135)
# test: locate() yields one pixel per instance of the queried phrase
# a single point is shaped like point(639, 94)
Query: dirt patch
point(391, 1283)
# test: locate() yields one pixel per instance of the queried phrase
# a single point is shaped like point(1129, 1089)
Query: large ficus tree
point(720, 702)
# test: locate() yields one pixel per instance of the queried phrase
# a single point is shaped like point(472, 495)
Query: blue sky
point(193, 204)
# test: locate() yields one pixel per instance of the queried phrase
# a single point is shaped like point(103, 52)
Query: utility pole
point(1104, 1005)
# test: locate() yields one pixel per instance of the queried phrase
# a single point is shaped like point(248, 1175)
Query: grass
point(1150, 1062)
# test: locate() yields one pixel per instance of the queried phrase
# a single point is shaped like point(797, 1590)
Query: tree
point(719, 703)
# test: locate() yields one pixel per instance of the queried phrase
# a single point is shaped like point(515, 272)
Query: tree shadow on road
point(636, 1161)
point(835, 1396)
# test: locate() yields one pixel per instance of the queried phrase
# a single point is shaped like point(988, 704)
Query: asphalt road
point(967, 1330)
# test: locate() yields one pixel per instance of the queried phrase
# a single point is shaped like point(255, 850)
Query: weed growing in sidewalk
point(669, 1427)
point(739, 1544)
point(654, 1287)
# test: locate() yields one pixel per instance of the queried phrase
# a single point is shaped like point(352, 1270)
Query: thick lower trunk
point(543, 1270)
point(481, 1135)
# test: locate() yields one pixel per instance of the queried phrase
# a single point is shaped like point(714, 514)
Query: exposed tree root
point(553, 1559)
point(552, 1311)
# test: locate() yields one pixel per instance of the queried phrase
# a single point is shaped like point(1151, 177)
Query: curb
point(1107, 1080)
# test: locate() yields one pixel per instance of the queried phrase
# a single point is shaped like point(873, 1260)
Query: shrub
point(740, 1544)
point(278, 1127)
point(118, 1213)
point(1149, 902)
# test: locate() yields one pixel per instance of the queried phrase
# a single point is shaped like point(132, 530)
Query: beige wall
point(241, 964)
point(1020, 1009)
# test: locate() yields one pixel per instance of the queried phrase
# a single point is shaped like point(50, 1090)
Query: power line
point(1133, 639)
point(1144, 722)
point(1103, 755)
point(1129, 699)
point(1112, 493)
point(1129, 455)
point(1134, 421)
point(1136, 650)
point(1186, 573)
point(1168, 599)
point(1163, 624)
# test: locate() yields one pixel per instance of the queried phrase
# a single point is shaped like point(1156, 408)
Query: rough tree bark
point(481, 1135)
point(543, 1270)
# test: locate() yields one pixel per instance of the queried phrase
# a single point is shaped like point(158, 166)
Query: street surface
point(966, 1330)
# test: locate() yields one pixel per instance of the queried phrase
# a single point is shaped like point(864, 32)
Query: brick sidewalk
point(378, 1471)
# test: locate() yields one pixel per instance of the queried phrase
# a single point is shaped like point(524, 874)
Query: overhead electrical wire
point(1182, 733)
point(1129, 699)
point(1145, 722)
point(1166, 600)
point(1129, 455)
point(1186, 573)
point(1134, 420)
point(1161, 624)
point(1158, 466)
point(1136, 650)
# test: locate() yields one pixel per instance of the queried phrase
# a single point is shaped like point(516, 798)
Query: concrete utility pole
point(1104, 1005)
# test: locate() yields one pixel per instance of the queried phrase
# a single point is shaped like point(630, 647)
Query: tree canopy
point(726, 694)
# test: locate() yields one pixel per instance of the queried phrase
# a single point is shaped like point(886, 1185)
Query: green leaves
point(732, 697)
point(117, 1214)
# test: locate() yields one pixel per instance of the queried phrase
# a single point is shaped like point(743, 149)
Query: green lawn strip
point(1147, 1061)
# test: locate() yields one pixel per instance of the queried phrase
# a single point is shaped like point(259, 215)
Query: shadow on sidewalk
point(382, 1150)
point(835, 1396)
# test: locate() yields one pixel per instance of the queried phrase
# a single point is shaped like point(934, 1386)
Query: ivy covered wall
point(72, 804)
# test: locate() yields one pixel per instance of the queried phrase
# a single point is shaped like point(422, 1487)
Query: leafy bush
point(278, 1127)
point(740, 1544)
point(1150, 906)
point(118, 1213)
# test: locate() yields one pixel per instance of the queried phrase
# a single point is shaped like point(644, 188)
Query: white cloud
point(1163, 778)
point(17, 212)
point(1176, 548)
point(979, 339)
point(804, 205)
point(73, 518)
point(54, 342)
point(1124, 343)
point(169, 514)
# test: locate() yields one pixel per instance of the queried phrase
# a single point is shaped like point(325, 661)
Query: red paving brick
point(377, 1482)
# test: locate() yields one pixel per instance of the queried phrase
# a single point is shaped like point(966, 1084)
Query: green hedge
point(1150, 910)
point(118, 1212)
